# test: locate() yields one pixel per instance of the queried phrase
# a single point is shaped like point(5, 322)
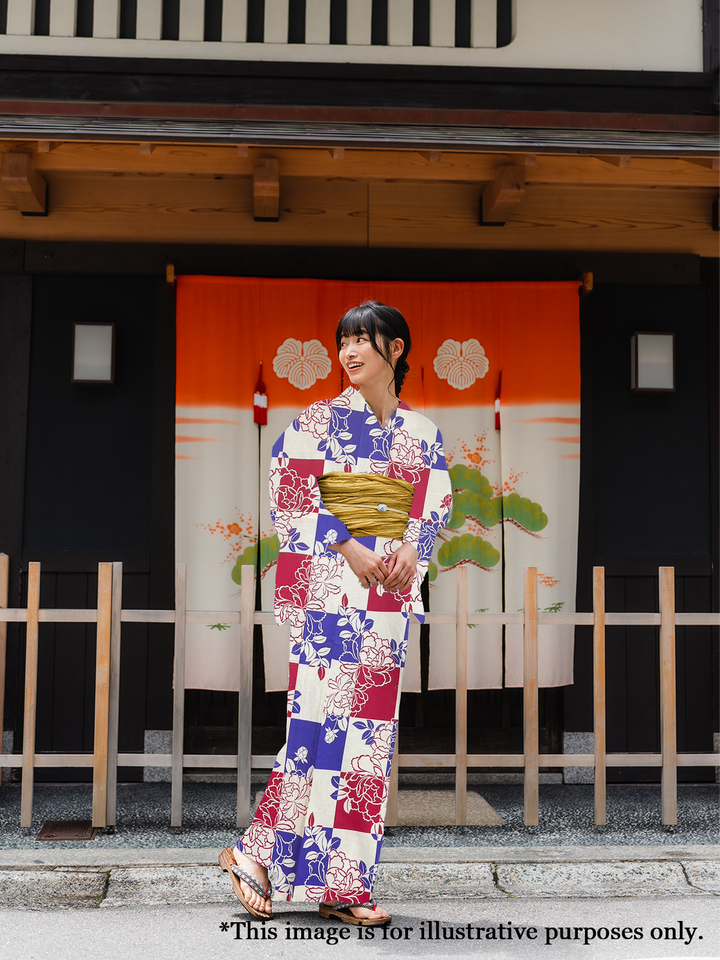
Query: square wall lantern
point(93, 353)
point(652, 362)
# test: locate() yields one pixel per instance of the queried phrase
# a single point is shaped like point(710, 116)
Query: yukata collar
point(358, 402)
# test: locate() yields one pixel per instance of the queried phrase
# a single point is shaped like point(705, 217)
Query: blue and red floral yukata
point(319, 826)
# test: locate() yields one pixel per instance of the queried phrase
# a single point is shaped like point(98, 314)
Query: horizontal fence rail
point(110, 616)
point(275, 29)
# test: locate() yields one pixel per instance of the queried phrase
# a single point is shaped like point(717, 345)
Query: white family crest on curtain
point(461, 364)
point(302, 362)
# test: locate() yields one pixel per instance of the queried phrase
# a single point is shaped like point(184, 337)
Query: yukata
point(319, 826)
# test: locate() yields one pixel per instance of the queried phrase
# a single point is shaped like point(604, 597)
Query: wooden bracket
point(530, 159)
point(24, 184)
point(170, 273)
point(47, 146)
point(615, 161)
point(266, 189)
point(243, 150)
point(712, 163)
point(586, 283)
point(501, 197)
point(146, 149)
point(337, 153)
point(432, 156)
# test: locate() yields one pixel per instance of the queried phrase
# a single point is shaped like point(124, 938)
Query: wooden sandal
point(342, 912)
point(228, 864)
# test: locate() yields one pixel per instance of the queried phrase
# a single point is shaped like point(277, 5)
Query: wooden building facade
point(358, 139)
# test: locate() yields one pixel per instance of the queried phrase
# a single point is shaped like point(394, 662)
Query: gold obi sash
point(369, 505)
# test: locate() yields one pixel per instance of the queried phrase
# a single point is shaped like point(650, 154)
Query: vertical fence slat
point(461, 729)
point(359, 22)
point(317, 21)
point(178, 739)
point(20, 18)
point(63, 18)
point(192, 20)
point(4, 590)
point(148, 21)
point(102, 694)
point(400, 23)
point(668, 705)
point(247, 630)
point(599, 694)
point(483, 29)
point(106, 19)
point(442, 23)
point(530, 696)
point(234, 21)
point(30, 707)
point(276, 21)
point(114, 709)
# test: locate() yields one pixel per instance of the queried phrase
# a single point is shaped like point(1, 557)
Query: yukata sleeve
point(432, 502)
point(303, 526)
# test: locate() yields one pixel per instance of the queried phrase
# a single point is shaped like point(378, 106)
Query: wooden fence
point(110, 616)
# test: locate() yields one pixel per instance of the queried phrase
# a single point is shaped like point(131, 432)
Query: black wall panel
point(89, 445)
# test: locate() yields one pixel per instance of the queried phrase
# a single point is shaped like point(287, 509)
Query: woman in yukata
point(359, 489)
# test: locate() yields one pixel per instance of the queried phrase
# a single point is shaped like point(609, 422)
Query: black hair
point(382, 324)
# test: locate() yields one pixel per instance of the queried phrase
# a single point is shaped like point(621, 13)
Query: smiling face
point(363, 364)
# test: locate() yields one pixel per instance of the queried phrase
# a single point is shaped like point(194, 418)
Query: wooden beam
point(668, 698)
point(24, 184)
point(616, 161)
point(102, 695)
point(501, 197)
point(212, 160)
point(461, 719)
point(599, 724)
point(266, 189)
point(47, 146)
point(530, 696)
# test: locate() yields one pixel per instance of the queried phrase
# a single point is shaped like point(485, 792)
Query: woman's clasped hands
point(396, 575)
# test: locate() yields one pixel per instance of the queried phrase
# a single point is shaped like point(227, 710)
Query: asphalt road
point(617, 928)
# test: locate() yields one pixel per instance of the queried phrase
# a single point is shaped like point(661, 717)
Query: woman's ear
point(396, 348)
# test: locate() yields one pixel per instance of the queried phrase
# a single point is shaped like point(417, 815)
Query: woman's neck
point(382, 401)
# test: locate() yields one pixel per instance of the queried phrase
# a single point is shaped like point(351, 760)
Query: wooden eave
point(185, 180)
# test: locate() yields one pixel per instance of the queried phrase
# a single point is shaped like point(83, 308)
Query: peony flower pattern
point(461, 364)
point(319, 826)
point(302, 362)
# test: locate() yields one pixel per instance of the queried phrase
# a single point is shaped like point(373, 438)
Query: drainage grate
point(68, 830)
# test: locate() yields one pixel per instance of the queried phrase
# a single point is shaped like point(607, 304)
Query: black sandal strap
point(250, 881)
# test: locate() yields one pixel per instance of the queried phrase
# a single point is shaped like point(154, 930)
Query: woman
point(359, 489)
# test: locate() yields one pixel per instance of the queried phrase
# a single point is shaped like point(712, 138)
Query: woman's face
point(364, 366)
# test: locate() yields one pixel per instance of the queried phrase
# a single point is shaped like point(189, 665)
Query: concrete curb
point(405, 874)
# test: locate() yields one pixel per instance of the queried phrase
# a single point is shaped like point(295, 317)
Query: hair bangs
point(358, 320)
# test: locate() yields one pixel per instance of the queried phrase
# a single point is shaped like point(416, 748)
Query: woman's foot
point(361, 915)
point(368, 913)
point(257, 872)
